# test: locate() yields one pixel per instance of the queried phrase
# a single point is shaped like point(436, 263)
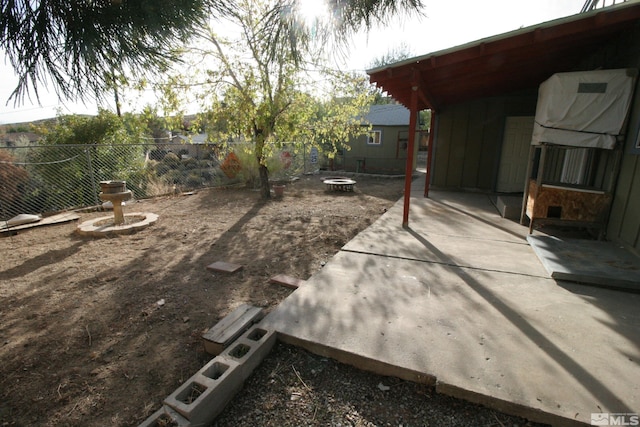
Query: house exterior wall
point(624, 219)
point(469, 137)
point(384, 158)
point(196, 151)
point(468, 140)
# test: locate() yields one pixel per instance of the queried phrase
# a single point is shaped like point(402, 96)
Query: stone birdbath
point(115, 192)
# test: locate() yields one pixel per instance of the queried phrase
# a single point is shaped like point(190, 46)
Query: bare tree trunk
point(265, 190)
point(115, 93)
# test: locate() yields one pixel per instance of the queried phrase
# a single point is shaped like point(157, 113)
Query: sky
point(444, 24)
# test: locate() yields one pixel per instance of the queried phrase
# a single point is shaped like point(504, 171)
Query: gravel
point(293, 387)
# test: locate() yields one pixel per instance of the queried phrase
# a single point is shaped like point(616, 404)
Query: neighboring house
point(384, 149)
point(483, 97)
point(188, 146)
point(194, 146)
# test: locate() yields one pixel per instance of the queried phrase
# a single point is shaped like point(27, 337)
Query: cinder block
point(165, 416)
point(250, 349)
point(204, 396)
point(230, 328)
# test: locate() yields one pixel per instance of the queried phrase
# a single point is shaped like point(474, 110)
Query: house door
point(515, 154)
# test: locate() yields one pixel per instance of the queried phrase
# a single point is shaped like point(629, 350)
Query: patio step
point(510, 207)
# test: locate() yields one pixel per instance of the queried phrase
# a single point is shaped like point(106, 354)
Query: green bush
point(162, 168)
point(174, 176)
point(190, 163)
point(172, 160)
point(76, 152)
point(194, 180)
point(208, 174)
point(249, 172)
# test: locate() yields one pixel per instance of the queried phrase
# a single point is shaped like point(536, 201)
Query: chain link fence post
point(92, 176)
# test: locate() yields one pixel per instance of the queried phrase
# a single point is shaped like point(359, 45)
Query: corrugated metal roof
point(388, 115)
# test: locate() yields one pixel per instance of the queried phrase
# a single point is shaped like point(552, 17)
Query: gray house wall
point(624, 219)
point(469, 140)
point(385, 158)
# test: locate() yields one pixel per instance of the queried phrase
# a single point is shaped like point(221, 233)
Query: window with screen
point(374, 137)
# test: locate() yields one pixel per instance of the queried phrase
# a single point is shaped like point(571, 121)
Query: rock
point(383, 387)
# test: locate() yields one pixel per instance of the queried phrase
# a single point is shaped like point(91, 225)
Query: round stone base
point(97, 227)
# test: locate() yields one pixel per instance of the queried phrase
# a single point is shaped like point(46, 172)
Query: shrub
point(208, 174)
point(194, 180)
point(172, 160)
point(162, 168)
point(174, 177)
point(157, 154)
point(190, 163)
point(12, 179)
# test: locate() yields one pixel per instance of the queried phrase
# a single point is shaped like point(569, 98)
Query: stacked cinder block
point(166, 416)
point(230, 328)
point(203, 397)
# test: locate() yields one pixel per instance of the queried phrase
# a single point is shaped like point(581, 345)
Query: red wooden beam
point(408, 170)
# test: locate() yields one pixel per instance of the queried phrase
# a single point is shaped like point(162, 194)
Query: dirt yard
point(99, 331)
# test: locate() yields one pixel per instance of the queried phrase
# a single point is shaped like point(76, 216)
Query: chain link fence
point(47, 179)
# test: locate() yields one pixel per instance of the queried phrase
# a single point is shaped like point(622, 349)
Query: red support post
point(413, 119)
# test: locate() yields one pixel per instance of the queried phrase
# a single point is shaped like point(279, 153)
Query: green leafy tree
point(329, 23)
point(12, 181)
point(260, 90)
point(396, 54)
point(87, 48)
point(84, 47)
point(79, 151)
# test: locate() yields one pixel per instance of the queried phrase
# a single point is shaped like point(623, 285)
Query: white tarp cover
point(583, 109)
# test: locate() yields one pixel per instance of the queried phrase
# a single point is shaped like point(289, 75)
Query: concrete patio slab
point(588, 261)
point(437, 304)
point(463, 251)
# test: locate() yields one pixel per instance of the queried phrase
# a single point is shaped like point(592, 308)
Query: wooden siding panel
point(631, 219)
point(489, 160)
point(442, 147)
point(624, 221)
point(473, 151)
point(455, 164)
